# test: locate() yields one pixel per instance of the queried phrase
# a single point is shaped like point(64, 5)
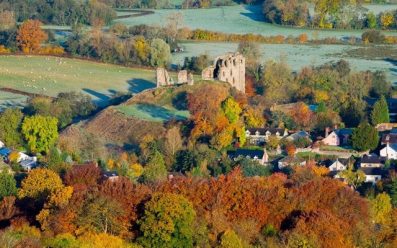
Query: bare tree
point(173, 140)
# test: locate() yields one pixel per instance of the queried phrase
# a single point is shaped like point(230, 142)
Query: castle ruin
point(163, 78)
point(228, 68)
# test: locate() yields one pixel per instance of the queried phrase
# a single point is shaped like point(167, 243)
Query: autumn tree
point(381, 209)
point(230, 239)
point(102, 214)
point(85, 174)
point(231, 109)
point(365, 137)
point(39, 184)
point(167, 221)
point(41, 132)
point(380, 112)
point(302, 115)
point(7, 20)
point(173, 140)
point(30, 36)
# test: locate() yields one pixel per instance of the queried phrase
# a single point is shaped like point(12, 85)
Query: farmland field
point(297, 56)
point(51, 75)
point(240, 19)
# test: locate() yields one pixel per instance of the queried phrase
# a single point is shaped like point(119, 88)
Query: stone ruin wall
point(228, 68)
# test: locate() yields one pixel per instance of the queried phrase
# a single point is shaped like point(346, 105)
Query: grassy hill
point(51, 75)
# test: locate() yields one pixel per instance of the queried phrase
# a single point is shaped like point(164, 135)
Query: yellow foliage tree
point(386, 19)
point(103, 240)
point(39, 184)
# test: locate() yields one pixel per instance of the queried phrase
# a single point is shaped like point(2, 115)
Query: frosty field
point(240, 19)
point(297, 56)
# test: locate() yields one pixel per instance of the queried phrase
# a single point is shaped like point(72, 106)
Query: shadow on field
point(100, 96)
point(158, 112)
point(254, 13)
point(137, 85)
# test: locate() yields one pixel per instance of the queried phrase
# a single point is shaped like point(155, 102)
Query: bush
point(373, 36)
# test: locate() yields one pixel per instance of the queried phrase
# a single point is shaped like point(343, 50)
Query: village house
point(389, 151)
point(259, 136)
point(299, 135)
point(337, 137)
point(291, 161)
point(390, 138)
point(372, 161)
point(338, 164)
point(258, 155)
point(373, 175)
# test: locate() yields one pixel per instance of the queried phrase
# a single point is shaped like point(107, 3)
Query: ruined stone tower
point(228, 68)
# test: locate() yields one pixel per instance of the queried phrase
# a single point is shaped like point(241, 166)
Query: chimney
point(327, 129)
point(335, 126)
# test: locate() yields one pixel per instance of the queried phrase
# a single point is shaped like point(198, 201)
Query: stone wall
point(228, 68)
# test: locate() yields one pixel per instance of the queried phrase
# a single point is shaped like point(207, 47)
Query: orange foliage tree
point(30, 36)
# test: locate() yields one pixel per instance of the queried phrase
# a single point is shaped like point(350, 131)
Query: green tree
point(365, 137)
point(155, 169)
point(353, 178)
point(371, 20)
point(41, 132)
point(160, 53)
point(8, 185)
point(230, 239)
point(391, 189)
point(231, 109)
point(10, 125)
point(380, 85)
point(380, 112)
point(167, 221)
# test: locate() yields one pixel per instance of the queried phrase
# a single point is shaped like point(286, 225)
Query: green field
point(52, 75)
point(240, 19)
point(152, 112)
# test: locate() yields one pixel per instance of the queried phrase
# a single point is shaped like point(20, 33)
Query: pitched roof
point(329, 162)
point(262, 131)
point(344, 131)
point(389, 138)
point(246, 153)
point(372, 159)
point(299, 134)
point(373, 171)
point(5, 152)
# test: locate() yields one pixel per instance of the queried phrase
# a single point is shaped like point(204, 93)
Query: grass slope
point(51, 75)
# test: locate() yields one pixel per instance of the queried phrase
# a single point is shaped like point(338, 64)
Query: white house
point(389, 151)
point(291, 161)
point(373, 175)
point(339, 164)
point(338, 137)
point(26, 161)
point(258, 136)
point(372, 161)
point(258, 155)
